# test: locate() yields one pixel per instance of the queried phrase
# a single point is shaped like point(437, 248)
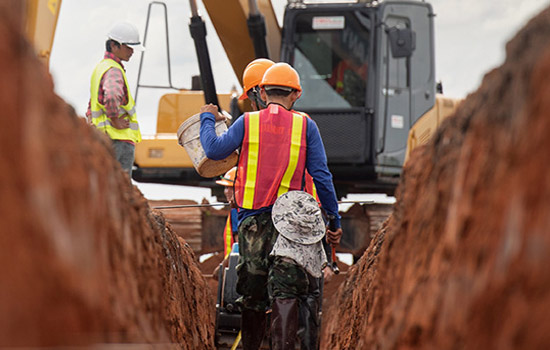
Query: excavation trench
point(460, 264)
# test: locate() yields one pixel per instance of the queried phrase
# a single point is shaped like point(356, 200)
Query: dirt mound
point(463, 261)
point(83, 260)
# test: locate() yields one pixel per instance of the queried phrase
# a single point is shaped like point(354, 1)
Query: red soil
point(83, 260)
point(463, 261)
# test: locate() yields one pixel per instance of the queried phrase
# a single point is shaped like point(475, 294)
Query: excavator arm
point(41, 21)
point(229, 18)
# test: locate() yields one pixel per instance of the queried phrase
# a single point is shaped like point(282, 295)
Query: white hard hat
point(127, 34)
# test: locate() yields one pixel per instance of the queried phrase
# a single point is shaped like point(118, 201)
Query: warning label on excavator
point(397, 121)
point(328, 22)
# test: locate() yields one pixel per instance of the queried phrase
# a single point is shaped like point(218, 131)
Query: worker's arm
point(220, 147)
point(113, 85)
point(316, 164)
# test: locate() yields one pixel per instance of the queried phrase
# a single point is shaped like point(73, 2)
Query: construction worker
point(310, 303)
point(111, 108)
point(230, 232)
point(277, 146)
point(252, 77)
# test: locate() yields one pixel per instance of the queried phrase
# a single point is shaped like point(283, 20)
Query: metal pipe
point(253, 8)
point(197, 28)
point(194, 9)
point(257, 30)
point(170, 86)
point(227, 204)
point(192, 206)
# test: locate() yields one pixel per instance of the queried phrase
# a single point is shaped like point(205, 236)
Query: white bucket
point(189, 138)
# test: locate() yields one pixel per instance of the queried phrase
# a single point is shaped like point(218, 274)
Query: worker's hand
point(120, 123)
point(327, 274)
point(210, 108)
point(333, 237)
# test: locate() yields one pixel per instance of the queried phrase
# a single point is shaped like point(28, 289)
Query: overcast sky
point(470, 38)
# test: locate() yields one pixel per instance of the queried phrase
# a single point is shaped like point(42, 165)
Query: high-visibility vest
point(309, 187)
point(273, 156)
point(100, 119)
point(227, 236)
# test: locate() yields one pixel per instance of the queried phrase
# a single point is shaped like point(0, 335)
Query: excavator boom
point(230, 21)
point(41, 21)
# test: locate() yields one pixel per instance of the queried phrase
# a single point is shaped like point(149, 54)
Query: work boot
point(252, 329)
point(308, 332)
point(284, 324)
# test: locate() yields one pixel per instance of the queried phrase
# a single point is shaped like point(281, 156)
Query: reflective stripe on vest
point(309, 185)
point(252, 160)
point(100, 119)
point(273, 156)
point(296, 143)
point(310, 188)
point(227, 237)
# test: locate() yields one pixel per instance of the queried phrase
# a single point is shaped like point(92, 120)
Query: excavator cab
point(367, 75)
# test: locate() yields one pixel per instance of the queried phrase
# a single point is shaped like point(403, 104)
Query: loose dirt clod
point(463, 261)
point(83, 260)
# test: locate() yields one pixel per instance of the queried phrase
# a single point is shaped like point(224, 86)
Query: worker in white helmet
point(111, 108)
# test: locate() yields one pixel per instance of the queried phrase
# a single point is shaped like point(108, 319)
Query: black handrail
point(170, 86)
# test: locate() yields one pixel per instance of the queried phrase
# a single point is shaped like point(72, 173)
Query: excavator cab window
point(331, 54)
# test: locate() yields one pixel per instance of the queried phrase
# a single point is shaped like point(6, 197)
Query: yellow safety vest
point(100, 119)
point(227, 236)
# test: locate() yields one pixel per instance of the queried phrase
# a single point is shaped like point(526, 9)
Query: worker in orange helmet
point(309, 306)
point(252, 77)
point(230, 233)
point(277, 146)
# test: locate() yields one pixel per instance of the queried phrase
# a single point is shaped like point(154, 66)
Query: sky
point(470, 38)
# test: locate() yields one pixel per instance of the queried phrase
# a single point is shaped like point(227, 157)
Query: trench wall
point(463, 261)
point(83, 259)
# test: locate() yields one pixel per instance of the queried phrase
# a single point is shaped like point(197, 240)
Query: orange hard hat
point(229, 178)
point(253, 74)
point(281, 74)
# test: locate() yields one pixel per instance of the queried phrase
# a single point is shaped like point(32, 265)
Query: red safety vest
point(273, 156)
point(227, 236)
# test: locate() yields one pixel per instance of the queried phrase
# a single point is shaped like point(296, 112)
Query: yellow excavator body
point(423, 130)
point(162, 149)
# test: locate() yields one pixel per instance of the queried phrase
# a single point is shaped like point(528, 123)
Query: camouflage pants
point(262, 277)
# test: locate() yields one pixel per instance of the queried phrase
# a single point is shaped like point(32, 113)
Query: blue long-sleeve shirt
point(220, 147)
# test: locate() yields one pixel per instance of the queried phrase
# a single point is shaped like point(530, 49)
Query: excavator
point(368, 76)
point(367, 70)
point(40, 22)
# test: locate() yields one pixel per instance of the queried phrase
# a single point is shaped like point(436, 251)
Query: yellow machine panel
point(162, 149)
point(425, 127)
point(175, 108)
